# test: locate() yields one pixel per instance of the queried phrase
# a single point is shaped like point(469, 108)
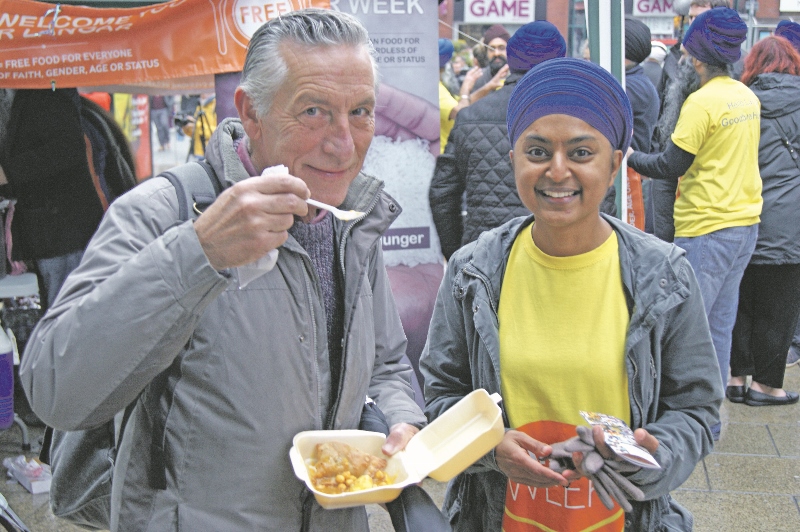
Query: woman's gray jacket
point(673, 373)
point(779, 166)
point(223, 377)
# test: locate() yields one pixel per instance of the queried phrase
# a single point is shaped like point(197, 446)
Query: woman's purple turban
point(716, 36)
point(790, 31)
point(533, 43)
point(576, 88)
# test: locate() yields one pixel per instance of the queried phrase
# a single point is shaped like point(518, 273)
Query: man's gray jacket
point(227, 376)
point(675, 392)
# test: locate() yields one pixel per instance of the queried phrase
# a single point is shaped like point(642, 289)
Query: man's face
point(694, 11)
point(496, 53)
point(322, 119)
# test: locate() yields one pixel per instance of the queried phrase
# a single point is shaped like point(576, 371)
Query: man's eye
point(537, 152)
point(362, 111)
point(312, 111)
point(582, 152)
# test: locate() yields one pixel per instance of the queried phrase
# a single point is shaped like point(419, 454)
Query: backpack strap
point(195, 191)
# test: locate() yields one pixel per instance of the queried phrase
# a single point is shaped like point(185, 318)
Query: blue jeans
point(719, 260)
point(54, 272)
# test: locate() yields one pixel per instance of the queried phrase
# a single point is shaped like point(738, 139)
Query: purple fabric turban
point(790, 31)
point(715, 37)
point(576, 88)
point(494, 32)
point(533, 43)
point(445, 51)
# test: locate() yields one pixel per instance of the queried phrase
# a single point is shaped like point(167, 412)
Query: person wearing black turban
point(643, 96)
point(715, 149)
point(640, 90)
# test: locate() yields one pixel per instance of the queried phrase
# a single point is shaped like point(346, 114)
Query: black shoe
point(754, 398)
point(736, 394)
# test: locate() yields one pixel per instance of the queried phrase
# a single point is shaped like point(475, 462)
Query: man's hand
point(401, 116)
point(472, 76)
point(250, 218)
point(399, 436)
point(497, 81)
point(514, 461)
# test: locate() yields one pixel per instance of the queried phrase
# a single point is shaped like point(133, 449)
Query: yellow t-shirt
point(205, 123)
point(720, 124)
point(563, 324)
point(446, 105)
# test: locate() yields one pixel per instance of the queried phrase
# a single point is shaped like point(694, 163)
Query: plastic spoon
point(342, 215)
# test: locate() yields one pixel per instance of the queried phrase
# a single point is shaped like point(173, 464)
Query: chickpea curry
point(340, 468)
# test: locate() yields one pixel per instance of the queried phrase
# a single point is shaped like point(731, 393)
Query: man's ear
point(511, 158)
point(247, 113)
point(616, 163)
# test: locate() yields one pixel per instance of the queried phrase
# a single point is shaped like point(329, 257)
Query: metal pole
point(605, 23)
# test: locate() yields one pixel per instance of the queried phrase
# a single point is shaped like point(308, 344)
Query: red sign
point(177, 45)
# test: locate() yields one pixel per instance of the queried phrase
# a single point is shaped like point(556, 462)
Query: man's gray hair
point(264, 68)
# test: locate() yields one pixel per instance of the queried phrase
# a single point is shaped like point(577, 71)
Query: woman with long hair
point(769, 294)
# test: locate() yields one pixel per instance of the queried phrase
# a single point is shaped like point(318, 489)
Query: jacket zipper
point(345, 234)
point(310, 299)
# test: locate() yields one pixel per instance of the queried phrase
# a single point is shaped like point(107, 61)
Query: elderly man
point(224, 375)
point(715, 148)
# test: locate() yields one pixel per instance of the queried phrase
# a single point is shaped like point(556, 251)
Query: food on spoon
point(339, 468)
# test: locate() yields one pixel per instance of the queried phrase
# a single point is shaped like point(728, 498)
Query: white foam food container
point(443, 449)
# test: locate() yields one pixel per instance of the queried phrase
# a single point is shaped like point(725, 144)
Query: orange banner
point(175, 46)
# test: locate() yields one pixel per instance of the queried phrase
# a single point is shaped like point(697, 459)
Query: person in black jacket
point(638, 87)
point(643, 96)
point(66, 161)
point(769, 293)
point(475, 161)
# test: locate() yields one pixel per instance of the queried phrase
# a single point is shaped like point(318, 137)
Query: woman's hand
point(642, 437)
point(514, 461)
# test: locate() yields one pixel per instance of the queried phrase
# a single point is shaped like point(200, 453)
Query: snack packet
point(619, 438)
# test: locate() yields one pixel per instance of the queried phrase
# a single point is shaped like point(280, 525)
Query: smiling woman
point(557, 315)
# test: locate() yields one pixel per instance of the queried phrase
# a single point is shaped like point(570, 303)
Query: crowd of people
point(547, 298)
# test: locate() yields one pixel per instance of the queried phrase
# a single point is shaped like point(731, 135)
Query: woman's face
point(563, 168)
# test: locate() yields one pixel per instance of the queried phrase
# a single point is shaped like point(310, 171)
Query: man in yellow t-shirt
point(715, 148)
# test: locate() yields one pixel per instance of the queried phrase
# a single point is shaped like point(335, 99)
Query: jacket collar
point(653, 273)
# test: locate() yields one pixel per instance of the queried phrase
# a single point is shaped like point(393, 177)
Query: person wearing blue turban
point(790, 31)
point(475, 166)
point(568, 311)
point(714, 147)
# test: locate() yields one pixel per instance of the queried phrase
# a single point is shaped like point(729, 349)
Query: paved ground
point(751, 482)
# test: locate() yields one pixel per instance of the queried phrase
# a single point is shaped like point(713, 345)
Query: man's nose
point(339, 141)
